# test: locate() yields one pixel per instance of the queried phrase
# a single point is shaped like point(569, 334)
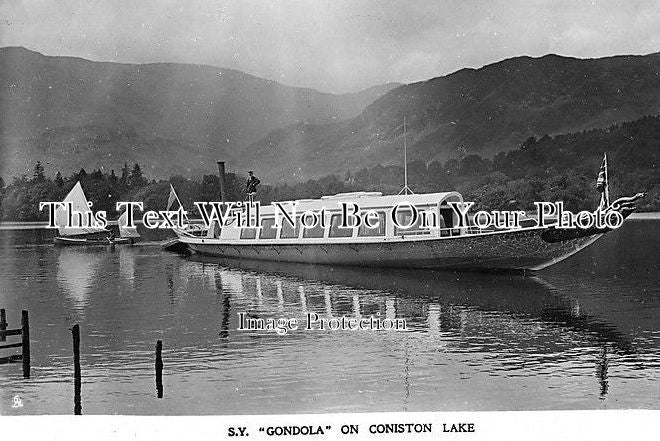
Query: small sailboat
point(126, 233)
point(80, 234)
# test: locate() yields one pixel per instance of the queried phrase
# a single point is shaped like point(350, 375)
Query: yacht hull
point(512, 250)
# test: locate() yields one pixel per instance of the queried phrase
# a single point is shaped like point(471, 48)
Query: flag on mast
point(602, 184)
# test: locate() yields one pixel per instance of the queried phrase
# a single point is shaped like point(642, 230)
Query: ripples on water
point(583, 335)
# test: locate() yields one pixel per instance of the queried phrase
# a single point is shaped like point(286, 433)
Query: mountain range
point(71, 113)
point(175, 118)
point(475, 111)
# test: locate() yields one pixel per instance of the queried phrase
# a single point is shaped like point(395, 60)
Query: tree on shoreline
point(563, 167)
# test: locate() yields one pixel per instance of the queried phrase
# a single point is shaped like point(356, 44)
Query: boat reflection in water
point(514, 323)
point(584, 335)
point(127, 265)
point(77, 275)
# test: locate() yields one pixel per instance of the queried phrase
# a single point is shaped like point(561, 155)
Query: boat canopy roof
point(368, 200)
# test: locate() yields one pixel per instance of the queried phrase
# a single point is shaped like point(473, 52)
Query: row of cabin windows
point(268, 230)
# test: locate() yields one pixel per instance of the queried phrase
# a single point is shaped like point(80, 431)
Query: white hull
point(511, 250)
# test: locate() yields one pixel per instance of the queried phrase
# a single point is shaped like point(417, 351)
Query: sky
point(331, 45)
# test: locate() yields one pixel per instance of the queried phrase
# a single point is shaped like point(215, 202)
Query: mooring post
point(159, 368)
point(77, 404)
point(3, 324)
point(25, 334)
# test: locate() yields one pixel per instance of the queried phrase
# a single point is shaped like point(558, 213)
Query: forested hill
point(562, 167)
point(73, 113)
point(474, 111)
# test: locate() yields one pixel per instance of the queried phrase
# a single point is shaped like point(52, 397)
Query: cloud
point(333, 45)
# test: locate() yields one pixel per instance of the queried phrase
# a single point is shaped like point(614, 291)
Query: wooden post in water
point(159, 368)
point(25, 334)
point(3, 324)
point(77, 404)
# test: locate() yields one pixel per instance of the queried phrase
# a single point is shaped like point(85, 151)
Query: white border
point(542, 425)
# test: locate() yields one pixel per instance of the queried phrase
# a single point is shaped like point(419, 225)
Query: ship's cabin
point(424, 215)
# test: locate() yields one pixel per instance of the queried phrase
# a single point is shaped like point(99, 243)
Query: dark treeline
point(562, 167)
point(559, 168)
point(19, 201)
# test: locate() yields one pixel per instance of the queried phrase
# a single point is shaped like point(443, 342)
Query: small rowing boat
point(91, 241)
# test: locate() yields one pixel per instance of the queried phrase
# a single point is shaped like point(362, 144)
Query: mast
point(405, 189)
point(405, 156)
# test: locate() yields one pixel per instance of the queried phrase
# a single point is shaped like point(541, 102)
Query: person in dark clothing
point(251, 186)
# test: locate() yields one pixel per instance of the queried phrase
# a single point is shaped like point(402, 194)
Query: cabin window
point(268, 230)
point(335, 227)
point(365, 231)
point(447, 217)
point(447, 227)
point(249, 233)
point(288, 232)
point(314, 233)
point(404, 217)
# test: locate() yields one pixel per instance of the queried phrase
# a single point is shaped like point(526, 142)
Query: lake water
point(584, 334)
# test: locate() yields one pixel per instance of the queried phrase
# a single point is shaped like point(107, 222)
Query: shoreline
point(42, 225)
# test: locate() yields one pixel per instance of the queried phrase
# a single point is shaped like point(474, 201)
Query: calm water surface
point(583, 335)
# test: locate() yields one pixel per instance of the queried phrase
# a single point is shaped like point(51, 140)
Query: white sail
point(173, 197)
point(124, 231)
point(174, 204)
point(78, 204)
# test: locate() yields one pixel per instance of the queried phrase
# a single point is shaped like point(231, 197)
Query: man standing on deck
point(251, 186)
